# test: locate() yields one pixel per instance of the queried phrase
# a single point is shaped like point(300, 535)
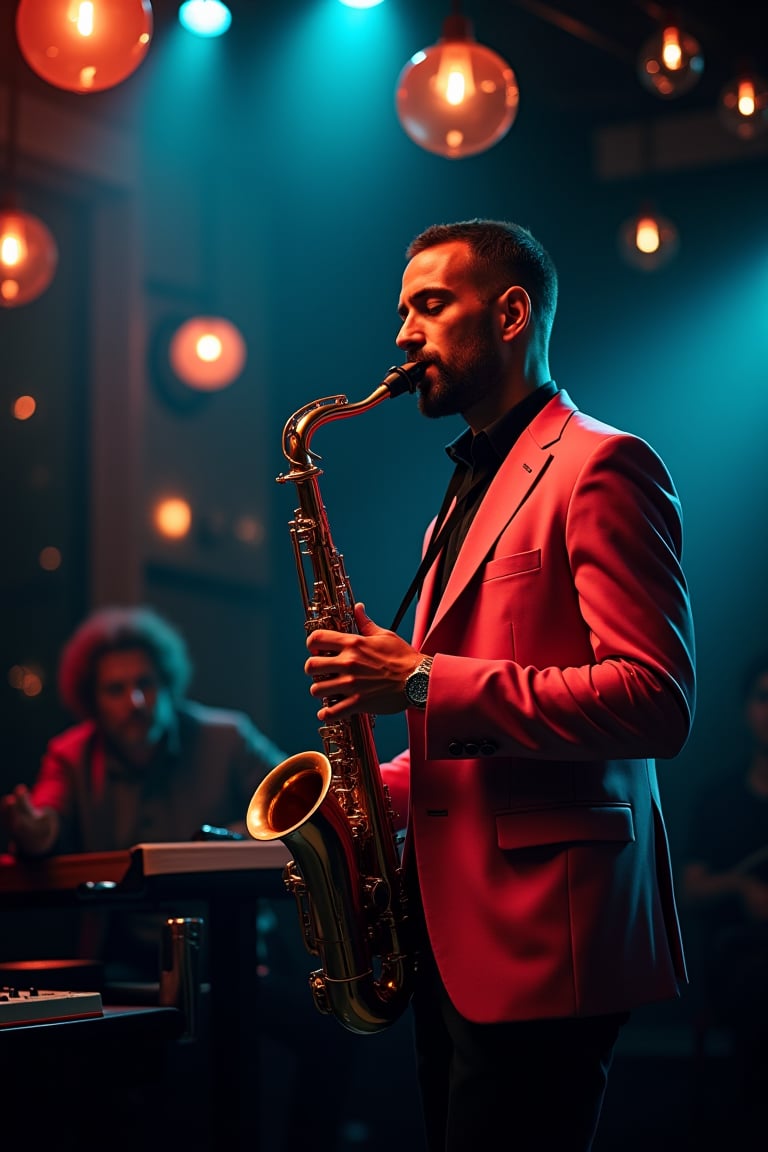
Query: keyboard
point(35, 1006)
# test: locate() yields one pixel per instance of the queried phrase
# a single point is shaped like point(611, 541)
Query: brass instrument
point(333, 810)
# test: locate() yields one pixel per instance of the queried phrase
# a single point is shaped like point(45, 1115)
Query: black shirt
point(478, 457)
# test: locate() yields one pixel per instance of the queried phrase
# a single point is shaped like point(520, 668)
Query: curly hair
point(115, 629)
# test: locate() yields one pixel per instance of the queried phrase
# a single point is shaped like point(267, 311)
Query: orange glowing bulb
point(647, 234)
point(671, 51)
point(84, 45)
point(28, 257)
point(24, 407)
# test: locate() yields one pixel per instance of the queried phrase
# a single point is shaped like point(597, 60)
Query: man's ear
point(516, 311)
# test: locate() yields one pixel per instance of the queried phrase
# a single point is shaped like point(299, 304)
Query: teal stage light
point(205, 17)
point(360, 3)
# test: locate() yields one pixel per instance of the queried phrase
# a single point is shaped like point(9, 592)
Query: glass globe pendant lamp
point(456, 98)
point(84, 45)
point(743, 105)
point(28, 256)
point(670, 61)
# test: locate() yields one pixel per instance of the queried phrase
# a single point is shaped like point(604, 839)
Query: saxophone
point(332, 809)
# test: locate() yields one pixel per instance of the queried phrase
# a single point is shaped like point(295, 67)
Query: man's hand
point(32, 830)
point(362, 672)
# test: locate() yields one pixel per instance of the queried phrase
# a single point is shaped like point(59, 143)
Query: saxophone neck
point(301, 426)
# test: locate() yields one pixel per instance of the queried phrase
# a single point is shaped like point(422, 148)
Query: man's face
point(448, 323)
point(757, 713)
point(133, 709)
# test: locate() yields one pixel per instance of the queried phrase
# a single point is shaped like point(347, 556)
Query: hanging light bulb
point(456, 98)
point(28, 257)
point(648, 240)
point(670, 62)
point(84, 45)
point(743, 104)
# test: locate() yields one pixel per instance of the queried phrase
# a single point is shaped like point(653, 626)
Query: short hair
point(754, 671)
point(114, 629)
point(507, 253)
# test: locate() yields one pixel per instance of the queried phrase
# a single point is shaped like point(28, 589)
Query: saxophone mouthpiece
point(404, 377)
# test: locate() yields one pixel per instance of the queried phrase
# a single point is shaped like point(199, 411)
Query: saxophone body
point(332, 808)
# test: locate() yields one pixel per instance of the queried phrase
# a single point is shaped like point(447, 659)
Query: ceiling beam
point(668, 144)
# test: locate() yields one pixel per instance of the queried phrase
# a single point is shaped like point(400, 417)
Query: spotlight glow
point(361, 3)
point(205, 17)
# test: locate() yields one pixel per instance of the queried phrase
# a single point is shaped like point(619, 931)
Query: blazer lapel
point(518, 475)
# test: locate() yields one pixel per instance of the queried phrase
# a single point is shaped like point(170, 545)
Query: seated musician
point(143, 764)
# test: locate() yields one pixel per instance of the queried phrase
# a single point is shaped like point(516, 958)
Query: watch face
point(416, 688)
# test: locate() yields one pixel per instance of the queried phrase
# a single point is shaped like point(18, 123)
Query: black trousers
point(528, 1086)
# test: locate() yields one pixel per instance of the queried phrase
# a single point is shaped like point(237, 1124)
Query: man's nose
point(409, 335)
point(138, 697)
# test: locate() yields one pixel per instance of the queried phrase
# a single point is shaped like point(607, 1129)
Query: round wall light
point(191, 359)
point(207, 353)
point(172, 517)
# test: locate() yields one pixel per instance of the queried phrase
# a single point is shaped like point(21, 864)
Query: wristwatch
point(417, 684)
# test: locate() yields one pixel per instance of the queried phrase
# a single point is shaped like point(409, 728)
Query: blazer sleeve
point(613, 538)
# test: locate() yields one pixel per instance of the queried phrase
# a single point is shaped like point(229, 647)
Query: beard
point(137, 738)
point(474, 371)
point(135, 741)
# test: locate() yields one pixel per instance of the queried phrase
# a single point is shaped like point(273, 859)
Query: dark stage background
point(264, 176)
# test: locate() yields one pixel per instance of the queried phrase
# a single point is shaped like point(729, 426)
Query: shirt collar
point(492, 444)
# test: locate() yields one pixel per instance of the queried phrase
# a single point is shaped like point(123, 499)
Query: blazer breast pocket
point(514, 565)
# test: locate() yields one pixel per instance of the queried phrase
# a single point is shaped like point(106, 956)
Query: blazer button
point(488, 747)
point(471, 748)
point(456, 748)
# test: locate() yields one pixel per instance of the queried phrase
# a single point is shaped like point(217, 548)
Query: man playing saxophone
point(552, 660)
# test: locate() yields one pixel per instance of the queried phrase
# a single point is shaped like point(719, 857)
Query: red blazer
point(563, 663)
